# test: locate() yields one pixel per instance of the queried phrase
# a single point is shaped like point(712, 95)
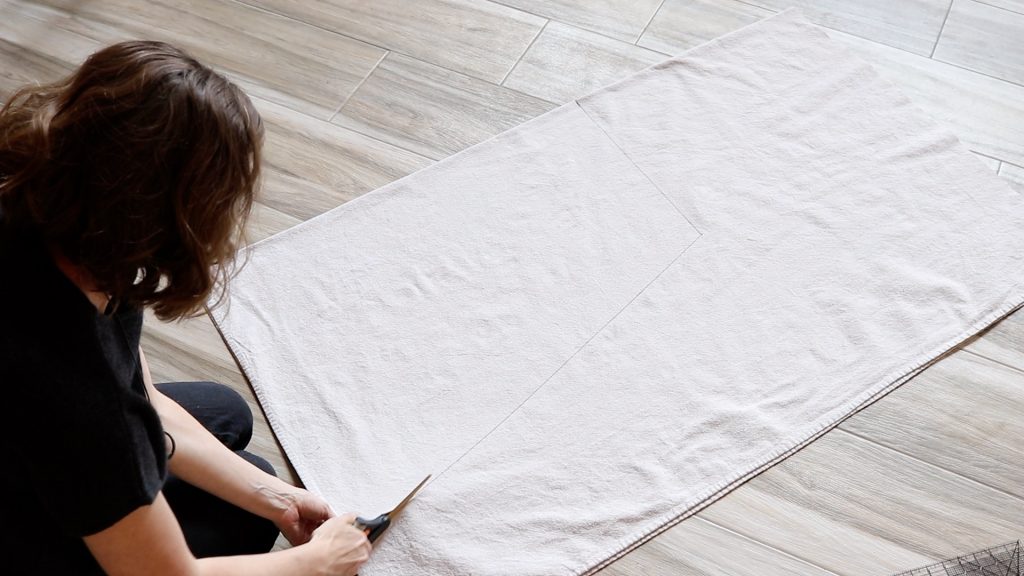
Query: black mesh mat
point(999, 561)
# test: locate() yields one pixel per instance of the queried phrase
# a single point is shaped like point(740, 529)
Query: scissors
point(374, 528)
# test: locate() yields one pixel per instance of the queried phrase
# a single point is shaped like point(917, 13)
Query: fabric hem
point(802, 439)
point(272, 419)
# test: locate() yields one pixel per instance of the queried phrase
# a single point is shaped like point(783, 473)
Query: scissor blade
point(401, 505)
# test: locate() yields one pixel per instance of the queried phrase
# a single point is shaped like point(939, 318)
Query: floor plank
point(845, 502)
point(314, 75)
point(697, 547)
point(312, 166)
point(962, 414)
point(621, 19)
point(1003, 343)
point(33, 51)
point(566, 62)
point(481, 39)
point(854, 507)
point(433, 111)
point(265, 221)
point(987, 114)
point(984, 38)
point(911, 25)
point(683, 24)
point(1014, 5)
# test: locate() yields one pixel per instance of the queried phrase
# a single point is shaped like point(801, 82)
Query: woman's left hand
point(303, 513)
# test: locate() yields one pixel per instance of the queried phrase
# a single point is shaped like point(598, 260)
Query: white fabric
point(594, 324)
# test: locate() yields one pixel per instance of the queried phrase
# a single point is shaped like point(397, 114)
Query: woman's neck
point(81, 278)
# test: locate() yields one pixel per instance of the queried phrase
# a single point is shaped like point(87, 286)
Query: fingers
point(349, 547)
point(344, 521)
point(344, 524)
point(313, 507)
point(364, 542)
point(362, 553)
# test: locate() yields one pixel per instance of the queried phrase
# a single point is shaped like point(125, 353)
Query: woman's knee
point(258, 462)
point(217, 407)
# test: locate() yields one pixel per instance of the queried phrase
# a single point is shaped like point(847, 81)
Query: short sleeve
point(92, 448)
point(82, 445)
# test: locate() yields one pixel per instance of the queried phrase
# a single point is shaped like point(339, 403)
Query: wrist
point(316, 555)
point(274, 497)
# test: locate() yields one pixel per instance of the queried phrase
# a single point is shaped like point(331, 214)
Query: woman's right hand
point(341, 545)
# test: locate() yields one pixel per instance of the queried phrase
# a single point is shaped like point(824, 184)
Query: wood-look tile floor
point(357, 93)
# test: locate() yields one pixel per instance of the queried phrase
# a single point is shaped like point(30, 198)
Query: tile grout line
point(648, 25)
point(667, 54)
point(381, 46)
point(757, 542)
point(964, 68)
point(842, 429)
point(385, 48)
point(523, 55)
point(291, 108)
point(471, 77)
point(305, 23)
point(891, 47)
point(751, 3)
point(353, 131)
point(388, 51)
point(1003, 8)
point(941, 28)
point(993, 360)
point(339, 126)
point(581, 28)
point(825, 27)
point(359, 85)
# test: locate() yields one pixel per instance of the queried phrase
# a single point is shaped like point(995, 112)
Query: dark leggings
point(212, 526)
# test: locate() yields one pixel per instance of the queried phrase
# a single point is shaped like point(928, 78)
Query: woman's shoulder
point(54, 347)
point(40, 305)
point(30, 279)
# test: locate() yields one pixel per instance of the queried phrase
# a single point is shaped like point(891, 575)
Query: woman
point(126, 186)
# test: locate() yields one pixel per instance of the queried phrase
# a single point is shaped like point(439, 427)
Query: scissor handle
point(373, 528)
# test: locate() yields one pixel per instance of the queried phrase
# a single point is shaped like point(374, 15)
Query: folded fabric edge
point(802, 439)
point(246, 369)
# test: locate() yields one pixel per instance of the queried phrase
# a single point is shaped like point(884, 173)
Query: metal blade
point(401, 505)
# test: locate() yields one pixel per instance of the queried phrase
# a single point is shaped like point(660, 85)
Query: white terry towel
point(594, 324)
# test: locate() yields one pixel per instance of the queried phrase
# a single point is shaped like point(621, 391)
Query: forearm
point(299, 561)
point(201, 460)
point(149, 541)
point(337, 548)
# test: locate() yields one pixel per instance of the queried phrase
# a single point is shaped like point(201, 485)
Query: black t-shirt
point(81, 445)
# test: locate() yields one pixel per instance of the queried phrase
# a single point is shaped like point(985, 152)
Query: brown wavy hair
point(141, 167)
